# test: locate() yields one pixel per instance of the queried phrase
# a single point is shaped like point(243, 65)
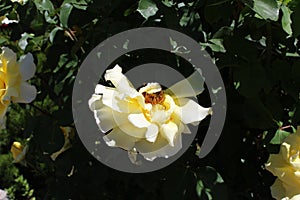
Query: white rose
point(149, 121)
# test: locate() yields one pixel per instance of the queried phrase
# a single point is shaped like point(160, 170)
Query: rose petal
point(275, 161)
point(192, 112)
point(150, 88)
point(9, 61)
point(104, 119)
point(117, 138)
point(277, 190)
point(169, 131)
point(27, 94)
point(189, 87)
point(184, 129)
point(160, 148)
point(27, 67)
point(151, 133)
point(95, 102)
point(121, 82)
point(140, 121)
point(113, 98)
point(133, 131)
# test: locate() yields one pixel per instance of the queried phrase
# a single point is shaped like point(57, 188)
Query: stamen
point(154, 98)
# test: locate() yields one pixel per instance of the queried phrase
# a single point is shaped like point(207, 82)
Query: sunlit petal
point(140, 121)
point(169, 131)
point(121, 82)
point(192, 112)
point(112, 98)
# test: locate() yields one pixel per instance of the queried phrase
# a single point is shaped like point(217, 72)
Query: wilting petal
point(68, 136)
point(140, 121)
point(169, 131)
point(160, 148)
point(27, 67)
point(27, 93)
point(192, 112)
point(133, 157)
point(189, 87)
point(117, 138)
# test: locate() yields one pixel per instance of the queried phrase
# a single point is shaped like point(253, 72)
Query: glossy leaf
point(147, 8)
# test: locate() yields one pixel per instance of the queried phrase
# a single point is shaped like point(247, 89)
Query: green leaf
point(279, 136)
point(168, 3)
point(53, 33)
point(44, 5)
point(147, 8)
point(79, 4)
point(65, 13)
point(286, 20)
point(295, 21)
point(199, 187)
point(216, 45)
point(267, 9)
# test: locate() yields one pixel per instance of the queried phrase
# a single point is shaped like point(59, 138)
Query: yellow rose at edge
point(13, 77)
point(286, 166)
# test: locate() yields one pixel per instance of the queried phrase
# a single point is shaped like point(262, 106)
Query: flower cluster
point(148, 121)
point(286, 166)
point(13, 77)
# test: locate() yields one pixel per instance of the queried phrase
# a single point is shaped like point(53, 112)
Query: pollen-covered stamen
point(154, 98)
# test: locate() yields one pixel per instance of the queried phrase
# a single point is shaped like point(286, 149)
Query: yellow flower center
point(159, 107)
